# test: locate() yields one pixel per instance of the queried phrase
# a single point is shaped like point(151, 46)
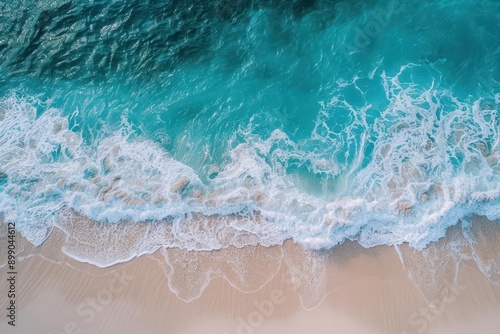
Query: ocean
point(250, 122)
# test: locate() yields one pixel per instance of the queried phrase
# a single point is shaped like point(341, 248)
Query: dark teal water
point(375, 120)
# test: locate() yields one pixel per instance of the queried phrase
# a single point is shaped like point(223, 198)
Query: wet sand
point(353, 290)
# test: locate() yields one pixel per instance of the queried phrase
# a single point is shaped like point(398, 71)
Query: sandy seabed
point(262, 290)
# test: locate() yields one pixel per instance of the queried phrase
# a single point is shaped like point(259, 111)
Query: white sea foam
point(434, 160)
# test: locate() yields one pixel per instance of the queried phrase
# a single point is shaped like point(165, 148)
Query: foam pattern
point(433, 159)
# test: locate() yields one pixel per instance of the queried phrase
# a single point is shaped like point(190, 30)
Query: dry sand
point(356, 290)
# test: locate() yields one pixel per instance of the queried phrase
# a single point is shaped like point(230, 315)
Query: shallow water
point(311, 120)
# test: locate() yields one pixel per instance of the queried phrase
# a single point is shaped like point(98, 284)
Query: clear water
point(374, 120)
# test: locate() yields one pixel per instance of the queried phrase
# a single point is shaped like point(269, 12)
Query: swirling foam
point(400, 169)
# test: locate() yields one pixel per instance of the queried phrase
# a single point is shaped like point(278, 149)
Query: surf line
point(12, 273)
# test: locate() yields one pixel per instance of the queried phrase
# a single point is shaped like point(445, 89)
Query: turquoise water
point(368, 120)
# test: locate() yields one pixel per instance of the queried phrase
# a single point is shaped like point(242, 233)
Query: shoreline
point(375, 290)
